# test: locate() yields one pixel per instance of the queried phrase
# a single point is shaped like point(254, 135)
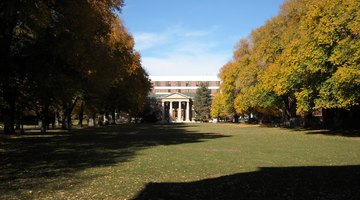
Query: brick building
point(187, 85)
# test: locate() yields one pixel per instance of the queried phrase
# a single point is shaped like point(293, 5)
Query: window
point(197, 83)
point(179, 83)
point(169, 91)
point(179, 91)
point(168, 83)
point(157, 83)
point(187, 83)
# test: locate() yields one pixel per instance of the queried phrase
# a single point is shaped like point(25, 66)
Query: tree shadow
point(344, 133)
point(327, 132)
point(340, 182)
point(33, 160)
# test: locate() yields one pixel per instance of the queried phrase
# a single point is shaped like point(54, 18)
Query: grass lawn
point(180, 161)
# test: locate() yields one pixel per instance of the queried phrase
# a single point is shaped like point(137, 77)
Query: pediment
point(176, 96)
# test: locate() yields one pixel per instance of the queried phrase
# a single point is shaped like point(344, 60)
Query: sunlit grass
point(119, 162)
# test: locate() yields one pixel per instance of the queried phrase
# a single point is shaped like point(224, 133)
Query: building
point(187, 85)
point(176, 95)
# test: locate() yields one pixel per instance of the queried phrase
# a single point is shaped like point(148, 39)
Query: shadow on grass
point(345, 133)
point(342, 182)
point(327, 132)
point(31, 161)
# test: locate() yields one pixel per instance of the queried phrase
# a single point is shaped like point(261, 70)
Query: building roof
point(176, 95)
point(184, 78)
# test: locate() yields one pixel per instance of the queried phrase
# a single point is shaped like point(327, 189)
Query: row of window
point(187, 83)
point(180, 91)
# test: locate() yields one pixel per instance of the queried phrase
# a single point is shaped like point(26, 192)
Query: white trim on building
point(184, 78)
point(164, 85)
point(183, 87)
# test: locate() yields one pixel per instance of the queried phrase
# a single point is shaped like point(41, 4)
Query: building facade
point(187, 85)
point(176, 94)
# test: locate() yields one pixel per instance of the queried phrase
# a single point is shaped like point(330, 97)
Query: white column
point(187, 111)
point(170, 112)
point(163, 110)
point(179, 112)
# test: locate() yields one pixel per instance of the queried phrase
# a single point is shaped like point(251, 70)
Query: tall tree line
point(307, 58)
point(56, 55)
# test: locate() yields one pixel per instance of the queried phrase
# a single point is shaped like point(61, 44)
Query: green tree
point(202, 102)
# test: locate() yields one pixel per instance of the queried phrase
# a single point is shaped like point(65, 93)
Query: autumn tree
point(218, 106)
point(60, 53)
point(224, 101)
point(318, 30)
point(129, 88)
point(304, 59)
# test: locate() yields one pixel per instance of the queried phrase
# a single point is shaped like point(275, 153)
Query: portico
point(176, 107)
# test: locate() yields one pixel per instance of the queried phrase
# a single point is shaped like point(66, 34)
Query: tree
point(225, 100)
point(218, 106)
point(19, 20)
point(202, 102)
point(56, 54)
point(228, 89)
point(304, 59)
point(129, 75)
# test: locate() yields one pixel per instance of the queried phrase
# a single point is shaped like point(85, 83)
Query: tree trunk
point(94, 119)
point(308, 119)
point(18, 119)
point(68, 108)
point(57, 119)
point(9, 111)
point(289, 110)
point(81, 115)
point(113, 120)
point(66, 119)
point(53, 120)
point(20, 122)
point(45, 119)
point(236, 118)
point(22, 131)
point(17, 125)
point(7, 30)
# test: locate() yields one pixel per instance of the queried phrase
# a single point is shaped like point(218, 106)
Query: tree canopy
point(304, 59)
point(56, 53)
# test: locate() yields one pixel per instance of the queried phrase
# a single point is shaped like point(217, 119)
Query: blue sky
point(192, 37)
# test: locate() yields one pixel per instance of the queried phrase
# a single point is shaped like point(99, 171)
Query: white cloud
point(196, 33)
point(178, 51)
point(199, 64)
point(170, 36)
point(145, 41)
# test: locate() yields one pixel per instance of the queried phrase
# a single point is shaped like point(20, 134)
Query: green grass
point(180, 161)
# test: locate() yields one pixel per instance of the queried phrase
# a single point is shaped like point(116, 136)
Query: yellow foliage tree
point(305, 58)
